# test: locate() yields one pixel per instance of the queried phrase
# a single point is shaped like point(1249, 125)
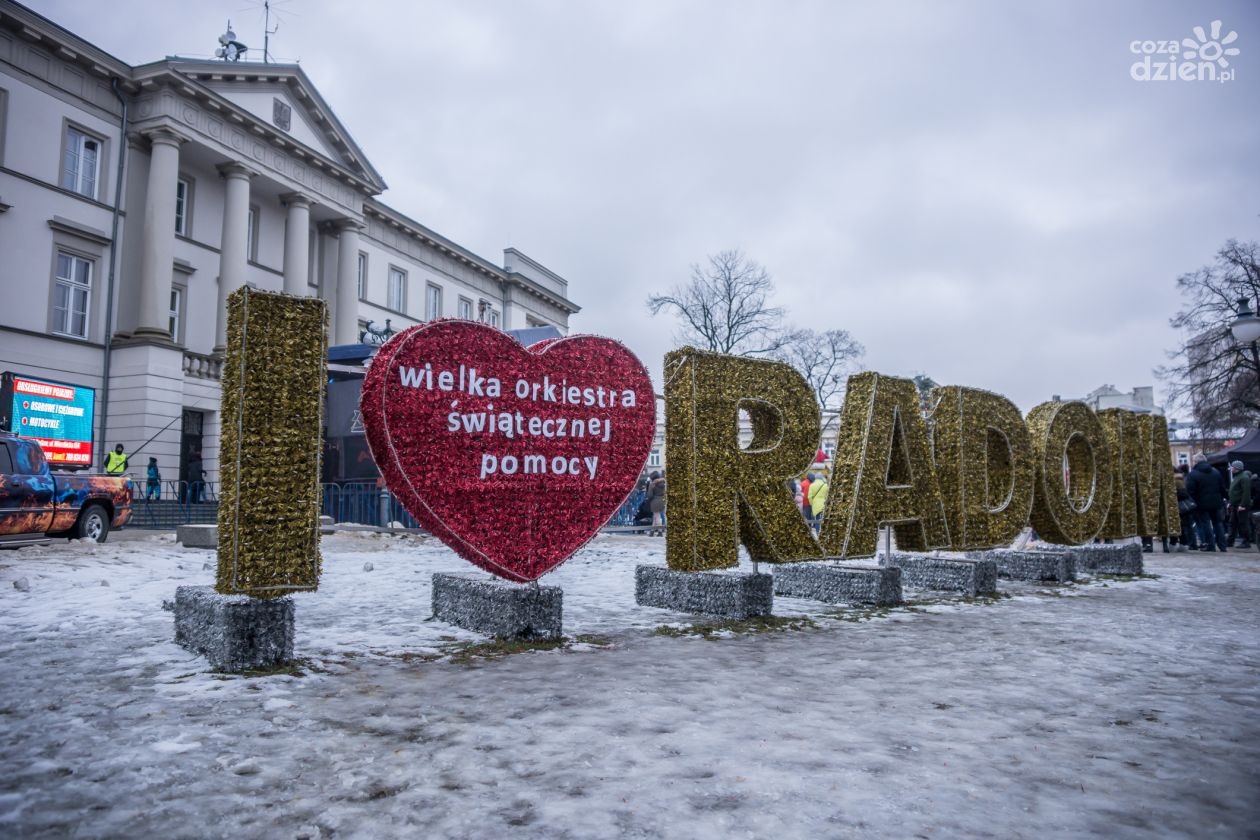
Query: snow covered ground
point(1110, 709)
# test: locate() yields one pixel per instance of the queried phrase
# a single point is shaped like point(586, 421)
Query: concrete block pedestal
point(1102, 558)
point(235, 632)
point(840, 583)
point(948, 574)
point(498, 608)
point(704, 593)
point(197, 536)
point(1059, 566)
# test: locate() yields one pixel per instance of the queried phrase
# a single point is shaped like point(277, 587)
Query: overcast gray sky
point(976, 190)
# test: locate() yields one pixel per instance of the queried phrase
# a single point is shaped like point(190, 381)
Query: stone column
point(234, 249)
point(297, 244)
point(157, 257)
point(346, 306)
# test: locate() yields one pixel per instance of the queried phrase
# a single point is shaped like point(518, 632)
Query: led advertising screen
point(57, 415)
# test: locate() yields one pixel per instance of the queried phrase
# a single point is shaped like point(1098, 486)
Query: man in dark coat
point(656, 502)
point(1207, 488)
point(1189, 539)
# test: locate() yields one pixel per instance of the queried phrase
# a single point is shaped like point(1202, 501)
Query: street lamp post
point(1246, 331)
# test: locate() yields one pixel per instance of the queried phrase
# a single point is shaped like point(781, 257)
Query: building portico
point(233, 173)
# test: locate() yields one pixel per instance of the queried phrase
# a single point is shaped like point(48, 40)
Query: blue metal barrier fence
point(173, 503)
point(364, 503)
point(352, 502)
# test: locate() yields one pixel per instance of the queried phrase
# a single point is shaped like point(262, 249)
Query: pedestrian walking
point(196, 478)
point(656, 502)
point(818, 500)
point(1240, 505)
point(806, 508)
point(1188, 541)
point(1206, 487)
point(153, 488)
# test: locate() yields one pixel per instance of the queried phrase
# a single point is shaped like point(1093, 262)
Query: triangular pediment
point(282, 97)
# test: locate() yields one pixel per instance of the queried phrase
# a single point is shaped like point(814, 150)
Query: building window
point(361, 276)
point(251, 234)
point(1183, 458)
point(72, 291)
point(81, 162)
point(465, 309)
point(173, 323)
point(432, 302)
point(654, 458)
point(396, 297)
point(183, 201)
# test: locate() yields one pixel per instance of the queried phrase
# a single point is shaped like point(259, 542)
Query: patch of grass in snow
point(913, 605)
point(293, 668)
point(856, 614)
point(737, 627)
point(987, 598)
point(468, 652)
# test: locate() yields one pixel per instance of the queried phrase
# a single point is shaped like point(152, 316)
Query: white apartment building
point(133, 200)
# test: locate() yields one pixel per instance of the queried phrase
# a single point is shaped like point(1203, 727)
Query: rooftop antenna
point(268, 31)
point(230, 49)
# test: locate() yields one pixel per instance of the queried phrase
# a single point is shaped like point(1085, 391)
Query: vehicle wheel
point(93, 524)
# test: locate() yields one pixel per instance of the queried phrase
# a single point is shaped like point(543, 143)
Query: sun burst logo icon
point(1210, 49)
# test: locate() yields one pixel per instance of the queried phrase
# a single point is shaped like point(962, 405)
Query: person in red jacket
point(806, 510)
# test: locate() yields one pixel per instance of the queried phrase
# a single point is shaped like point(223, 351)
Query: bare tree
point(1213, 376)
point(924, 385)
point(825, 360)
point(725, 307)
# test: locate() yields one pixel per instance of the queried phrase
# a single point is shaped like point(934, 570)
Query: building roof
point(333, 152)
point(292, 77)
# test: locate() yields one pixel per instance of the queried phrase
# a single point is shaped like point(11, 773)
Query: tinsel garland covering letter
point(718, 494)
point(984, 464)
point(1133, 487)
point(270, 449)
point(1167, 520)
point(1073, 483)
point(883, 472)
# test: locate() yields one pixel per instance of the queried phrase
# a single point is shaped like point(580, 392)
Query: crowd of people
point(811, 497)
point(192, 489)
point(1215, 511)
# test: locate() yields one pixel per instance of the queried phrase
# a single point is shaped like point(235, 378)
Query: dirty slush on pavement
point(1110, 707)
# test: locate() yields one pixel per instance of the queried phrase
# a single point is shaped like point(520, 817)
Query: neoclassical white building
point(133, 200)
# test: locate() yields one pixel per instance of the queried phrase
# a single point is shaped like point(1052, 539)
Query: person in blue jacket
point(153, 489)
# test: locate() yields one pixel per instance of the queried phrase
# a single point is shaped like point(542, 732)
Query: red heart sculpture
point(512, 456)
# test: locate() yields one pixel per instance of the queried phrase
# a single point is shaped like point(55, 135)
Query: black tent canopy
point(1246, 449)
